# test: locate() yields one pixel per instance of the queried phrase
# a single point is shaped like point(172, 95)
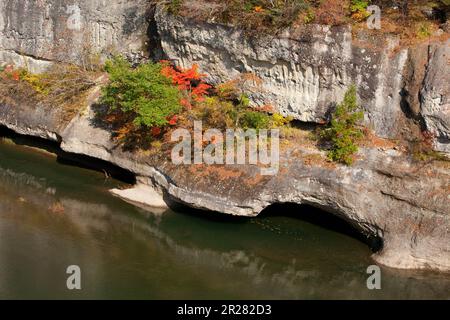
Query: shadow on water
point(323, 219)
point(211, 216)
point(289, 251)
point(69, 159)
point(302, 213)
point(305, 213)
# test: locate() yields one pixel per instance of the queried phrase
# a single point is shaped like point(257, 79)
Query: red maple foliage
point(156, 131)
point(186, 103)
point(189, 80)
point(199, 91)
point(11, 73)
point(15, 75)
point(173, 120)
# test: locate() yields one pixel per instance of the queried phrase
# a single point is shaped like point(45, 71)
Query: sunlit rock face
point(435, 104)
point(34, 32)
point(306, 72)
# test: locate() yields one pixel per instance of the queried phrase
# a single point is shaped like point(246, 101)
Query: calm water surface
point(53, 215)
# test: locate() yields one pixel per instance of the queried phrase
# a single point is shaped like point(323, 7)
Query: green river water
point(53, 215)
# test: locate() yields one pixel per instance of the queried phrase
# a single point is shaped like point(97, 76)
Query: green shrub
point(255, 120)
point(216, 113)
point(424, 31)
point(174, 6)
point(143, 93)
point(310, 16)
point(359, 5)
point(358, 9)
point(220, 113)
point(344, 130)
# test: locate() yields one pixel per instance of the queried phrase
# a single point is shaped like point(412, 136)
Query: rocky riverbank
point(384, 194)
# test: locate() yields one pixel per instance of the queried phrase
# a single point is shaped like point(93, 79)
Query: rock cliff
point(306, 71)
point(36, 32)
point(384, 195)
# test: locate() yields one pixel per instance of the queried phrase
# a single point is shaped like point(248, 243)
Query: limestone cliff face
point(305, 72)
point(435, 96)
point(35, 32)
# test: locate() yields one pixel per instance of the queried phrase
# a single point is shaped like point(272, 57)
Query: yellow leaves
point(360, 15)
point(258, 9)
point(36, 82)
point(279, 121)
point(57, 208)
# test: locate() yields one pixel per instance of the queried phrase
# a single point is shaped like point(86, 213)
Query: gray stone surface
point(33, 32)
point(305, 72)
point(382, 195)
point(304, 75)
point(435, 96)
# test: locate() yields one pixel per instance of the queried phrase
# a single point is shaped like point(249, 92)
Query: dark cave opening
point(324, 219)
point(66, 158)
point(307, 213)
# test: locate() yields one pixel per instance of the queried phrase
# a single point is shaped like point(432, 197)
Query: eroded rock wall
point(383, 194)
point(305, 72)
point(35, 32)
point(304, 75)
point(435, 96)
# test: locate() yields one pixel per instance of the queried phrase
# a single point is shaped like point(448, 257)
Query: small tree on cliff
point(144, 94)
point(344, 130)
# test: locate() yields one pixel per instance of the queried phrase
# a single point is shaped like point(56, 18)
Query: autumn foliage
point(147, 102)
point(189, 81)
point(9, 72)
point(140, 99)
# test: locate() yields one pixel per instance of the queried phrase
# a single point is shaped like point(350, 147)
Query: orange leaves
point(15, 75)
point(245, 83)
point(258, 9)
point(189, 80)
point(186, 103)
point(123, 131)
point(156, 131)
point(11, 73)
point(170, 72)
point(199, 91)
point(266, 108)
point(173, 120)
point(182, 78)
point(192, 73)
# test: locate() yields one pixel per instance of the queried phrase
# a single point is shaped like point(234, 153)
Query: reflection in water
point(126, 252)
